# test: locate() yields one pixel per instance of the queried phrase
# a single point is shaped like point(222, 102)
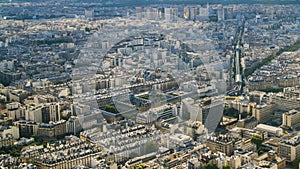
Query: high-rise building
point(51, 112)
point(149, 13)
point(171, 14)
point(186, 13)
point(203, 12)
point(190, 110)
point(89, 13)
point(221, 15)
point(34, 113)
point(212, 112)
point(43, 113)
point(192, 13)
point(138, 12)
point(228, 13)
point(73, 125)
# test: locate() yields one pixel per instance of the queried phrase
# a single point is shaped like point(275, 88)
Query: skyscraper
point(171, 14)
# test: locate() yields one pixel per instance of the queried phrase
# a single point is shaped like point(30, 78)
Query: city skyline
point(149, 84)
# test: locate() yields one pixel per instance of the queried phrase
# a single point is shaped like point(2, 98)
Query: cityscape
point(132, 84)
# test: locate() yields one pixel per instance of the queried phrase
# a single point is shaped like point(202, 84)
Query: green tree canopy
point(226, 167)
point(257, 140)
point(295, 163)
point(210, 166)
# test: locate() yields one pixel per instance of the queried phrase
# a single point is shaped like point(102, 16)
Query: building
point(228, 13)
point(51, 112)
point(273, 158)
point(234, 162)
point(273, 131)
point(248, 123)
point(289, 148)
point(44, 99)
point(190, 110)
point(263, 112)
point(52, 130)
point(203, 12)
point(6, 141)
point(164, 112)
point(8, 136)
point(60, 156)
point(271, 144)
point(43, 113)
point(256, 96)
point(222, 143)
point(138, 12)
point(78, 109)
point(171, 14)
point(212, 112)
point(284, 102)
point(186, 12)
point(89, 13)
point(26, 128)
point(6, 77)
point(246, 156)
point(245, 145)
point(291, 119)
point(15, 111)
point(17, 95)
point(73, 125)
point(10, 130)
point(34, 113)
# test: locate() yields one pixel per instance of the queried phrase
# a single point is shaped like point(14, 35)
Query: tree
point(295, 163)
point(133, 154)
point(257, 141)
point(87, 29)
point(244, 115)
point(226, 167)
point(231, 112)
point(260, 151)
point(210, 166)
point(150, 147)
point(111, 109)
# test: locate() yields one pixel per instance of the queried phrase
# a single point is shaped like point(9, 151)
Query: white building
point(276, 131)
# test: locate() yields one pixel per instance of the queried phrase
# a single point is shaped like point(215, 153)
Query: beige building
point(273, 158)
point(291, 119)
point(271, 130)
point(223, 143)
point(263, 112)
point(290, 148)
point(245, 145)
point(34, 112)
point(26, 128)
point(52, 130)
point(43, 113)
point(284, 102)
point(6, 141)
point(248, 123)
point(84, 160)
point(11, 130)
point(73, 152)
point(15, 111)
